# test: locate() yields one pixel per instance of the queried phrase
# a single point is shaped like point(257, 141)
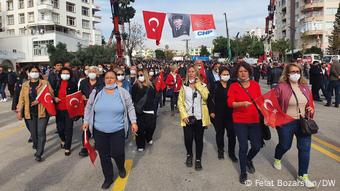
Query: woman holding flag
point(107, 115)
point(174, 84)
point(34, 112)
point(65, 86)
point(296, 101)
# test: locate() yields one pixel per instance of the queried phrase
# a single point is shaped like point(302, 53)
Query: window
point(70, 7)
point(31, 17)
point(85, 11)
point(329, 25)
point(21, 4)
point(9, 5)
point(21, 18)
point(86, 24)
point(11, 32)
point(331, 11)
point(71, 21)
point(85, 1)
point(22, 31)
point(10, 19)
point(86, 36)
point(55, 17)
point(30, 3)
point(55, 4)
point(40, 47)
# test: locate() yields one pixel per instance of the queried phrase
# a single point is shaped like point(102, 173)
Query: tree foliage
point(204, 51)
point(160, 54)
point(281, 46)
point(334, 39)
point(59, 53)
point(136, 38)
point(314, 50)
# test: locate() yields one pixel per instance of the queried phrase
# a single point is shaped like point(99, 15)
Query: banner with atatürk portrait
point(180, 24)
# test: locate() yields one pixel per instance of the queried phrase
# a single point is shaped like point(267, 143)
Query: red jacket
point(172, 83)
point(159, 83)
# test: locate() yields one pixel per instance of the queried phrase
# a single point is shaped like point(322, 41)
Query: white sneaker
point(150, 142)
point(1, 100)
point(277, 164)
point(140, 150)
point(305, 179)
point(4, 100)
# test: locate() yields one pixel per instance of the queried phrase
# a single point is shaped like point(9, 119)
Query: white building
point(258, 32)
point(145, 53)
point(27, 26)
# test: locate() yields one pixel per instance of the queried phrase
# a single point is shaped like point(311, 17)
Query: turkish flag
point(154, 23)
point(89, 148)
point(160, 84)
point(75, 104)
point(271, 110)
point(46, 100)
point(203, 74)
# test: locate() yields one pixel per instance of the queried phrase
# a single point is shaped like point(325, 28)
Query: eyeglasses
point(294, 72)
point(120, 74)
point(140, 75)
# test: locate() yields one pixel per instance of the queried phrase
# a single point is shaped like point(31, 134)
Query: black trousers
point(164, 97)
point(110, 145)
point(174, 99)
point(65, 128)
point(221, 125)
point(146, 128)
point(11, 89)
point(191, 133)
point(315, 90)
point(37, 127)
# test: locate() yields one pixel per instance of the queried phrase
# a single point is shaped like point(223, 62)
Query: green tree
point(160, 54)
point(281, 46)
point(220, 46)
point(334, 39)
point(204, 51)
point(59, 53)
point(94, 55)
point(314, 50)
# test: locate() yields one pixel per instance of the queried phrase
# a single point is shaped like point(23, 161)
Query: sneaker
point(4, 100)
point(188, 162)
point(243, 178)
point(83, 152)
point(305, 179)
point(220, 155)
point(251, 168)
point(38, 158)
point(277, 164)
point(233, 158)
point(122, 173)
point(198, 165)
point(107, 184)
point(140, 149)
point(150, 142)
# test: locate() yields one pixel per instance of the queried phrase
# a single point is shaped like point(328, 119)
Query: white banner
point(204, 33)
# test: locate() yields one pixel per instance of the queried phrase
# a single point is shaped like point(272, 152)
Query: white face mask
point(100, 69)
point(141, 78)
point(65, 76)
point(294, 77)
point(192, 81)
point(225, 78)
point(92, 75)
point(199, 67)
point(151, 73)
point(34, 75)
point(120, 78)
point(86, 72)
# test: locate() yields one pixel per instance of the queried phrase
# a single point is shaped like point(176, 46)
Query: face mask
point(199, 67)
point(92, 76)
point(34, 75)
point(9, 70)
point(86, 72)
point(120, 78)
point(246, 80)
point(151, 73)
point(133, 71)
point(65, 76)
point(192, 81)
point(225, 78)
point(110, 87)
point(100, 69)
point(141, 78)
point(217, 70)
point(294, 77)
point(157, 72)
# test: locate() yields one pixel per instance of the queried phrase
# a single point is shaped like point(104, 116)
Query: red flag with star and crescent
point(89, 148)
point(45, 98)
point(154, 23)
point(75, 104)
point(271, 110)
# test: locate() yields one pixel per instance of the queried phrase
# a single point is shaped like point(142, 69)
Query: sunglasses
point(120, 74)
point(140, 75)
point(294, 72)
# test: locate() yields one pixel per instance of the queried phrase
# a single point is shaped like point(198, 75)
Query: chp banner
point(271, 110)
point(75, 104)
point(203, 25)
point(154, 23)
point(180, 24)
point(45, 98)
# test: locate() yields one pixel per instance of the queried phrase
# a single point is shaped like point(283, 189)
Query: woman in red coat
point(174, 84)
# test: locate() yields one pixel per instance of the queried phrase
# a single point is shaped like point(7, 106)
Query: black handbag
point(308, 125)
point(266, 134)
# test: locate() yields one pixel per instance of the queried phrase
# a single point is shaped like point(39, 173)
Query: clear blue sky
point(242, 15)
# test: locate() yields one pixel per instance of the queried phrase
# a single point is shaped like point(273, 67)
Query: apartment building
point(27, 26)
point(308, 22)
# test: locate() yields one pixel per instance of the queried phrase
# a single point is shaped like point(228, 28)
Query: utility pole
point(227, 29)
point(186, 45)
point(237, 46)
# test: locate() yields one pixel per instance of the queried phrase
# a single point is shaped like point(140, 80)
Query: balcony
point(313, 32)
point(314, 5)
point(95, 8)
point(45, 5)
point(97, 19)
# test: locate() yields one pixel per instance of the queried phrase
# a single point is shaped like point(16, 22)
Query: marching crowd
point(123, 101)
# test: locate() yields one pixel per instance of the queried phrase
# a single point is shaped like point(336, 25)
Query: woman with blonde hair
point(143, 95)
point(296, 100)
point(194, 115)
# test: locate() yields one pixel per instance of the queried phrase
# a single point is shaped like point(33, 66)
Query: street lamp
point(227, 30)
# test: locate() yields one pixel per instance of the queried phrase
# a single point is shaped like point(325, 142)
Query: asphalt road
point(161, 166)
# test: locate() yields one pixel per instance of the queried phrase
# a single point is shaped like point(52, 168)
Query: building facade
point(28, 26)
point(305, 23)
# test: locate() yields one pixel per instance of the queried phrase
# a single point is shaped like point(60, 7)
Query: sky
point(242, 15)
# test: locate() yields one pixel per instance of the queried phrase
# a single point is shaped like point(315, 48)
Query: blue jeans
point(286, 133)
point(336, 86)
point(2, 90)
point(254, 134)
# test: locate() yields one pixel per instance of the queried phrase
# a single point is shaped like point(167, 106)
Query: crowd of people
point(123, 101)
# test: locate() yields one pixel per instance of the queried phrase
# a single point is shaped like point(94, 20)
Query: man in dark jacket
point(54, 76)
point(334, 83)
point(315, 74)
point(274, 75)
point(12, 78)
point(3, 83)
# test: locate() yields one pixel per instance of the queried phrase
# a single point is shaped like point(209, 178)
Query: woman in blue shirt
point(106, 115)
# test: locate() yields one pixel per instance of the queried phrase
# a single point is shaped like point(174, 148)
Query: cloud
point(242, 15)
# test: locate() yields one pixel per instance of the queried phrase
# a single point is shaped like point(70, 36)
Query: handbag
point(169, 92)
point(308, 125)
point(266, 134)
point(140, 104)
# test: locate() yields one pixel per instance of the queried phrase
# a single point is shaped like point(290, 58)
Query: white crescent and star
point(74, 99)
point(155, 20)
point(46, 96)
point(265, 104)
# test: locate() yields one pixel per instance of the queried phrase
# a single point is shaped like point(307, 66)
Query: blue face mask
point(110, 87)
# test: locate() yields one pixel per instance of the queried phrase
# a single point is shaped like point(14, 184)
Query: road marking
point(326, 144)
point(11, 131)
point(325, 152)
point(121, 182)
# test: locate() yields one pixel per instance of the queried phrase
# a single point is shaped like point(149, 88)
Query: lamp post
point(227, 30)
